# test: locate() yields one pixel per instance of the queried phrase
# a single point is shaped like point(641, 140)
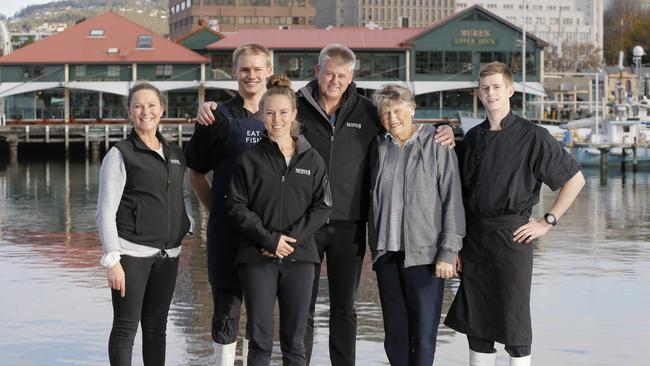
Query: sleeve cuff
point(109, 259)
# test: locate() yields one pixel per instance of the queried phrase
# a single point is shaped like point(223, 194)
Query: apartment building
point(554, 21)
point(186, 16)
point(382, 13)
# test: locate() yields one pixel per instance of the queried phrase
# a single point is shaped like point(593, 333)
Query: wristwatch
point(550, 218)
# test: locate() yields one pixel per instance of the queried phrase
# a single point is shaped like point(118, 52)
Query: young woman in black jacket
point(279, 196)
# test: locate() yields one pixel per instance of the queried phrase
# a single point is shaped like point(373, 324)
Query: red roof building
point(108, 39)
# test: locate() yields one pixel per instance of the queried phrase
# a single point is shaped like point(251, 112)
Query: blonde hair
point(251, 49)
point(279, 84)
point(494, 68)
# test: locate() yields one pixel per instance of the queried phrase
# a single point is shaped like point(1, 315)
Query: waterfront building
point(231, 15)
point(554, 21)
point(85, 71)
point(440, 63)
point(382, 13)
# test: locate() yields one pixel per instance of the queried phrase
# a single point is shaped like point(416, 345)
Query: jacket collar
point(302, 144)
point(311, 92)
point(137, 141)
point(506, 122)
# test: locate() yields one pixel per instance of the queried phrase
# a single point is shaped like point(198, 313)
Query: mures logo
point(353, 125)
point(175, 161)
point(303, 171)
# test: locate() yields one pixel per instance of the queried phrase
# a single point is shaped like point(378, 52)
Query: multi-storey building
point(231, 15)
point(555, 21)
point(383, 13)
point(85, 71)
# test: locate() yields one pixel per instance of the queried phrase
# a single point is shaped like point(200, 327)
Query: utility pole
point(523, 63)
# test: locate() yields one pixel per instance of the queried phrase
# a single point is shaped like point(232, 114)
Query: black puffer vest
point(152, 211)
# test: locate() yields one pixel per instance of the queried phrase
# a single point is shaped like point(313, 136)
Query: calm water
point(590, 301)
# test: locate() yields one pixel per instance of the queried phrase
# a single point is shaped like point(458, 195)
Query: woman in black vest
point(143, 213)
point(279, 196)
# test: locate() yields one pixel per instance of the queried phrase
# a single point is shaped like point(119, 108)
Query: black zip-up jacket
point(344, 147)
point(268, 198)
point(152, 210)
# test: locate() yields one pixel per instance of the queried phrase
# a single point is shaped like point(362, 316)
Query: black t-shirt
point(503, 170)
point(207, 143)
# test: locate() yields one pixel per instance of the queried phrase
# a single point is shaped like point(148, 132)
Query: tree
point(572, 57)
point(626, 25)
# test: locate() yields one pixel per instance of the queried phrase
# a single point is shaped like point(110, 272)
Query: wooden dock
point(92, 135)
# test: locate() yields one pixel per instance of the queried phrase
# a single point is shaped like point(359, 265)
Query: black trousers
point(411, 303)
point(150, 286)
point(226, 312)
point(291, 283)
point(343, 243)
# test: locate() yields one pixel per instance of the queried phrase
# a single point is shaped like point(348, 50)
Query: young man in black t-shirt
point(214, 148)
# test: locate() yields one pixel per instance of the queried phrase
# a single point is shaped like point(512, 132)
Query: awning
point(221, 84)
point(532, 87)
point(113, 87)
point(175, 85)
point(232, 84)
point(7, 89)
point(425, 87)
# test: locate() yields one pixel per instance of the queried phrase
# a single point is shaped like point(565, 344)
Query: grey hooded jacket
point(434, 217)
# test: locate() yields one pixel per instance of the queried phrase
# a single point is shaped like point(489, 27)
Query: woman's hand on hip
point(116, 279)
point(284, 246)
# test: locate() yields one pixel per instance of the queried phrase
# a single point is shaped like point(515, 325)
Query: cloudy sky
point(10, 7)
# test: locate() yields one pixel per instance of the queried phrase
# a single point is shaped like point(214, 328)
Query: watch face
point(550, 219)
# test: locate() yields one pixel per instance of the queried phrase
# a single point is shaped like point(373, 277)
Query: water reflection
point(590, 287)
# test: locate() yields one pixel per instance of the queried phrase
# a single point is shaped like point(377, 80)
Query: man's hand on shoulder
point(205, 116)
point(445, 136)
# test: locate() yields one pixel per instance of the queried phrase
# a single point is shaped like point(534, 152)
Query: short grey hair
point(393, 93)
point(338, 51)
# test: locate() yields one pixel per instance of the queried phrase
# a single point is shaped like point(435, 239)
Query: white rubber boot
point(224, 354)
point(520, 361)
point(244, 351)
point(482, 359)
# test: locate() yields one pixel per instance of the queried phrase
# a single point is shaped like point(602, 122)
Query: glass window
point(145, 41)
point(377, 66)
point(300, 66)
point(80, 71)
point(428, 62)
point(96, 33)
point(113, 71)
point(164, 71)
point(32, 71)
point(221, 65)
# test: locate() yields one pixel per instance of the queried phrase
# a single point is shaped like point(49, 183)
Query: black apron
point(493, 300)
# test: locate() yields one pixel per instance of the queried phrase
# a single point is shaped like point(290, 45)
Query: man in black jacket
point(341, 125)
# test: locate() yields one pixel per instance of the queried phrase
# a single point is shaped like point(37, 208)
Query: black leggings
point(486, 346)
point(150, 285)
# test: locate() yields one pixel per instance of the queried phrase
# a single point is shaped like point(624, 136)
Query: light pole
point(637, 55)
point(523, 62)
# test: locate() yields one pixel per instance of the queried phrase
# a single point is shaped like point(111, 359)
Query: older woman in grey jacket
point(416, 226)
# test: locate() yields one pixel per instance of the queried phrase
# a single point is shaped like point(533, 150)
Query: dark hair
point(144, 86)
point(279, 84)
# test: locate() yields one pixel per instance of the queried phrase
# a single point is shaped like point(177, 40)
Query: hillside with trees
point(151, 14)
